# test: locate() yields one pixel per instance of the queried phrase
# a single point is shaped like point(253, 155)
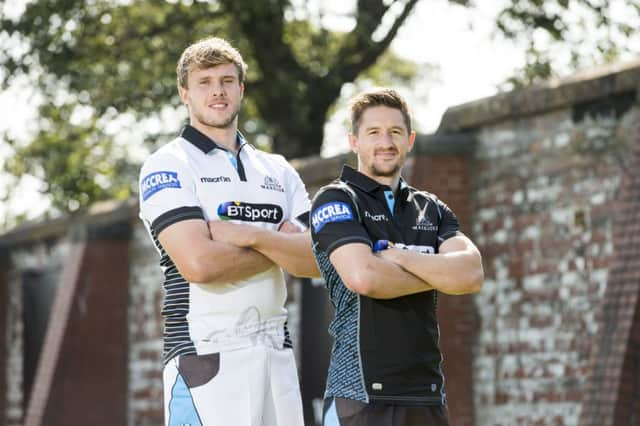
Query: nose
point(386, 140)
point(217, 88)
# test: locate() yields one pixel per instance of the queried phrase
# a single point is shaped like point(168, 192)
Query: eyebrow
point(377, 127)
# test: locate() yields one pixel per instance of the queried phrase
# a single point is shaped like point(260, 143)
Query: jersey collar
point(354, 177)
point(205, 143)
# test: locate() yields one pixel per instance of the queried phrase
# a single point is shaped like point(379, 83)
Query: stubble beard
point(223, 124)
point(387, 172)
point(375, 171)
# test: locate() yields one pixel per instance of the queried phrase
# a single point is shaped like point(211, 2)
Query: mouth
point(386, 155)
point(218, 105)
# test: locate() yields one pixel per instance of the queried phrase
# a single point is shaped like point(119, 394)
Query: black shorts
point(348, 412)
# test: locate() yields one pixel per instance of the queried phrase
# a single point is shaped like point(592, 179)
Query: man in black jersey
point(385, 249)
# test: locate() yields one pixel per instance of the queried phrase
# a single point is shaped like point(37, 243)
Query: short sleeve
point(334, 221)
point(167, 193)
point(297, 198)
point(449, 226)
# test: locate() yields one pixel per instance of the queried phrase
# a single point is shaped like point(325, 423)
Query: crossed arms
point(223, 252)
point(456, 269)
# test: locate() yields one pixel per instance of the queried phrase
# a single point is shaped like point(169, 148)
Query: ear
point(412, 139)
point(353, 142)
point(241, 90)
point(183, 95)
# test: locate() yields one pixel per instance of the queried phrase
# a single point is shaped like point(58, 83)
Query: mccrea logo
point(272, 184)
point(158, 181)
point(216, 179)
point(246, 212)
point(330, 212)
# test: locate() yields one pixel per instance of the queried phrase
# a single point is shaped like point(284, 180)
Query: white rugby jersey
point(194, 178)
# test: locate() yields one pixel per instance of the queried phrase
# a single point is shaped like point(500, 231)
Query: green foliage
point(93, 168)
point(117, 58)
point(588, 30)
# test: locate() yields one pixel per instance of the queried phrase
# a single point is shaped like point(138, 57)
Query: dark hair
point(377, 97)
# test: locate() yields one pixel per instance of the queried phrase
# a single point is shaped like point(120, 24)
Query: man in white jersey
point(226, 219)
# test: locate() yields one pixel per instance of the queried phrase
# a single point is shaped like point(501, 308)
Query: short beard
point(382, 173)
point(219, 125)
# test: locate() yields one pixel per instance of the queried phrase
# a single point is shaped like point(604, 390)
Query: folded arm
point(372, 276)
point(290, 250)
point(202, 260)
point(456, 269)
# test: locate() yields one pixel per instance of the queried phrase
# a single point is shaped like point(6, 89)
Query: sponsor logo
point(272, 184)
point(385, 244)
point(247, 212)
point(376, 217)
point(419, 249)
point(330, 212)
point(215, 179)
point(158, 181)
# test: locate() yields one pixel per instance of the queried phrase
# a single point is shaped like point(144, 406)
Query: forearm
point(292, 251)
point(225, 263)
point(203, 260)
point(383, 279)
point(451, 273)
point(373, 276)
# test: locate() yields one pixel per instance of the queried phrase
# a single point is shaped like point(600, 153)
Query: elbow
point(197, 271)
point(359, 282)
point(305, 270)
point(474, 280)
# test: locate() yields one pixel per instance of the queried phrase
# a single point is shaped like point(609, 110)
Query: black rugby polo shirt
point(385, 350)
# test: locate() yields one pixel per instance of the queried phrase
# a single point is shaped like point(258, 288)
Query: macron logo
point(158, 181)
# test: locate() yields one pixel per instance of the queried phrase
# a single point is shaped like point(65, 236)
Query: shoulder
point(336, 198)
point(171, 154)
point(427, 196)
point(276, 160)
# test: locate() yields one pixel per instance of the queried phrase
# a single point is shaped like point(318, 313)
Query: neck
point(391, 181)
point(226, 137)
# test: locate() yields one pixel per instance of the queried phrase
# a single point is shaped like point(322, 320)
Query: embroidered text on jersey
point(216, 179)
point(158, 181)
point(330, 212)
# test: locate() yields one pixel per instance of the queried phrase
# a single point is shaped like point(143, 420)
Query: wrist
point(255, 236)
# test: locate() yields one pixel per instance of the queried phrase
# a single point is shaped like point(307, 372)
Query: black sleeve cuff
point(174, 216)
point(347, 240)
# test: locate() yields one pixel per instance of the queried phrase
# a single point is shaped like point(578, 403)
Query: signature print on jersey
point(248, 212)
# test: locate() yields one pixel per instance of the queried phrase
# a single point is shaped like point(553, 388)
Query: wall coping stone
point(581, 87)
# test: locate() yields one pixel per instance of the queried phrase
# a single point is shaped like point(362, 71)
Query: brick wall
point(443, 166)
point(538, 181)
point(145, 332)
point(612, 394)
point(543, 222)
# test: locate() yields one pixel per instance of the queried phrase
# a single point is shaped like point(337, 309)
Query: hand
point(238, 234)
point(391, 254)
point(289, 228)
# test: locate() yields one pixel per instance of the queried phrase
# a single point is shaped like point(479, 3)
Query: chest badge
point(423, 223)
point(271, 184)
